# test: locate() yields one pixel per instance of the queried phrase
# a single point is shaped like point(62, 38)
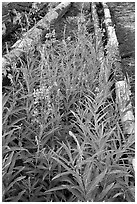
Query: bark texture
point(121, 85)
point(104, 73)
point(34, 35)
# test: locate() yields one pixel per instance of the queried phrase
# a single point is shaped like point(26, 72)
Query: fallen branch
point(121, 85)
point(33, 36)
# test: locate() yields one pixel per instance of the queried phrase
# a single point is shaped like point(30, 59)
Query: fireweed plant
point(62, 137)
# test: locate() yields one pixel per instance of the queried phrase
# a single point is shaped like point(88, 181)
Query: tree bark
point(121, 85)
point(104, 71)
point(33, 36)
point(11, 22)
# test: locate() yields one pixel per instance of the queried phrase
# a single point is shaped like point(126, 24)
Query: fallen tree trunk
point(33, 36)
point(11, 21)
point(121, 85)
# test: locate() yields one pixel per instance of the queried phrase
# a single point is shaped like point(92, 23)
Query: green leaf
point(75, 174)
point(18, 109)
point(16, 173)
point(17, 198)
point(68, 150)
point(16, 149)
point(14, 122)
point(61, 175)
point(73, 189)
point(5, 98)
point(15, 181)
point(10, 132)
point(87, 174)
point(93, 184)
point(62, 187)
point(78, 145)
point(64, 165)
point(8, 161)
point(105, 191)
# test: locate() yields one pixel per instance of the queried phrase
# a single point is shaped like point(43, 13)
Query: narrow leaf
point(15, 181)
point(16, 199)
point(93, 184)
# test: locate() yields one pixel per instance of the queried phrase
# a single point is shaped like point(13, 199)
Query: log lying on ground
point(33, 36)
point(104, 72)
point(121, 85)
point(13, 12)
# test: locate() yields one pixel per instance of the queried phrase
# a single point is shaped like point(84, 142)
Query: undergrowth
point(62, 137)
